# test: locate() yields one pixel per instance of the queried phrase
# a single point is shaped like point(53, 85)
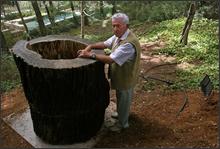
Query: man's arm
point(98, 45)
point(103, 58)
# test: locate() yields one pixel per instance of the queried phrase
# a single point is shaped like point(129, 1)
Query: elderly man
point(124, 63)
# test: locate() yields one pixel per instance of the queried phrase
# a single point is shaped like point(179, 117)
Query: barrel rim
point(35, 59)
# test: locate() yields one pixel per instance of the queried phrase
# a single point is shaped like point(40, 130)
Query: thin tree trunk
point(21, 16)
point(51, 3)
point(48, 14)
point(82, 19)
point(39, 17)
point(58, 6)
point(101, 9)
point(51, 6)
point(73, 11)
point(3, 9)
point(3, 44)
point(113, 7)
point(185, 32)
point(39, 4)
point(86, 20)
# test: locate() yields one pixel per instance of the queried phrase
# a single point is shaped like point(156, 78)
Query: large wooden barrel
point(67, 95)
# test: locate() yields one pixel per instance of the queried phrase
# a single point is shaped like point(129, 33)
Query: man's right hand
point(85, 54)
point(88, 49)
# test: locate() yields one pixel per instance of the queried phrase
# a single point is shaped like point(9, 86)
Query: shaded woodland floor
point(153, 119)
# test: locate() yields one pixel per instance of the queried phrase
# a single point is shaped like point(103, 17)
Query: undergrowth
point(201, 50)
point(9, 74)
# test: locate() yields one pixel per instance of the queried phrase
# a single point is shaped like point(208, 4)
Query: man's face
point(119, 27)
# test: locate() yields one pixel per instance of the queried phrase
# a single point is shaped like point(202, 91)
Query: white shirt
point(124, 52)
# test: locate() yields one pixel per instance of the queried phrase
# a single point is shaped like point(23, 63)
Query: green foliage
point(11, 39)
point(149, 86)
point(9, 77)
point(153, 11)
point(8, 85)
point(208, 9)
point(12, 16)
point(29, 13)
point(191, 78)
point(97, 38)
point(96, 32)
point(59, 28)
point(94, 38)
point(106, 10)
point(201, 51)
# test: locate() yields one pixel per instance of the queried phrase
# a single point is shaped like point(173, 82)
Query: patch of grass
point(149, 85)
point(202, 47)
point(11, 39)
point(10, 77)
point(97, 38)
point(94, 32)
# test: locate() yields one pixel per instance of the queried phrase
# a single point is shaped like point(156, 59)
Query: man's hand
point(88, 49)
point(84, 53)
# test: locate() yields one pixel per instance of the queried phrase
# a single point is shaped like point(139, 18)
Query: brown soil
point(153, 119)
point(12, 103)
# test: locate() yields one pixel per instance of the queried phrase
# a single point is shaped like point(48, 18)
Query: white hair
point(124, 18)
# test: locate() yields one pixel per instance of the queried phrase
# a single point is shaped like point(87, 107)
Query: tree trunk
point(113, 7)
point(86, 20)
point(51, 3)
point(58, 5)
point(73, 11)
point(101, 9)
point(85, 15)
point(3, 44)
point(67, 95)
point(51, 7)
point(39, 17)
point(3, 9)
point(39, 4)
point(187, 26)
point(21, 16)
point(82, 19)
point(48, 14)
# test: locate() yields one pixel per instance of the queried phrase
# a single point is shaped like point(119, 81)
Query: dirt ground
point(153, 119)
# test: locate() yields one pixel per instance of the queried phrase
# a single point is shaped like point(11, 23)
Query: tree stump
point(67, 95)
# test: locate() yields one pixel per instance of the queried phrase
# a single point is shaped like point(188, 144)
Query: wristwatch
point(93, 56)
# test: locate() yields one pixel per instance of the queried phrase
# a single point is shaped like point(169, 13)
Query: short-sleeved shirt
point(124, 52)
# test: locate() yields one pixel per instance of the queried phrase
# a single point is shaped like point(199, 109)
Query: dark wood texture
point(206, 86)
point(67, 97)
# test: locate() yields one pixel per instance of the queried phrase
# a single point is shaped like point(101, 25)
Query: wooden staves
point(67, 95)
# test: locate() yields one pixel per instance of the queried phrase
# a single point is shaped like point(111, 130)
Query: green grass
point(9, 74)
point(202, 48)
point(94, 32)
